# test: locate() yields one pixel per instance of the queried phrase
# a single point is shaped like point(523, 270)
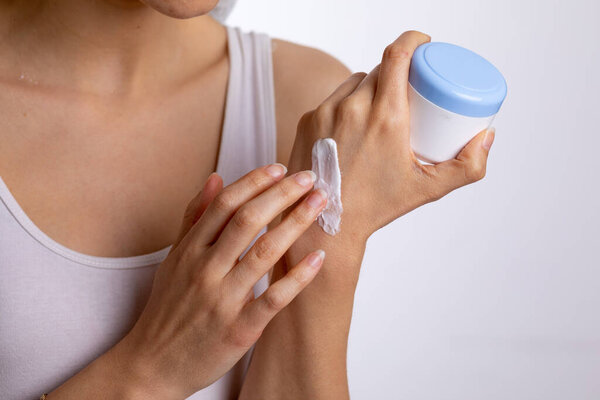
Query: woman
point(113, 114)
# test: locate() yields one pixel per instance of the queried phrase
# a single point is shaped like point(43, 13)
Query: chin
point(182, 9)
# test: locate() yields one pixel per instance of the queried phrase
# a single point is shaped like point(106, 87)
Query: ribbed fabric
point(61, 309)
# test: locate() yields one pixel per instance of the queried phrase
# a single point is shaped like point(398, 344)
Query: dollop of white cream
point(326, 166)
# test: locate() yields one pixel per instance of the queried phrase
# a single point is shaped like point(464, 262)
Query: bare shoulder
point(304, 77)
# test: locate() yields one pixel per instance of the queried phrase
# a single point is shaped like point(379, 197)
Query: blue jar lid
point(457, 79)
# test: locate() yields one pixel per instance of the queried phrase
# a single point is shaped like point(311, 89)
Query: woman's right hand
point(202, 317)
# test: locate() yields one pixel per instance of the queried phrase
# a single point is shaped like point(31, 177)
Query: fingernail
point(276, 170)
point(316, 198)
point(489, 138)
point(207, 181)
point(305, 178)
point(316, 259)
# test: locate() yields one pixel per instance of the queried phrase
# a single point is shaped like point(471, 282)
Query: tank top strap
point(249, 132)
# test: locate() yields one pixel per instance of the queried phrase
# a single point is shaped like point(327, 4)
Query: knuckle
point(246, 217)
point(275, 300)
point(322, 115)
point(301, 217)
point(200, 280)
point(299, 280)
point(388, 123)
point(257, 178)
point(265, 249)
point(239, 335)
point(474, 171)
point(204, 279)
point(396, 52)
point(306, 119)
point(350, 109)
point(286, 189)
point(248, 269)
point(225, 201)
point(187, 254)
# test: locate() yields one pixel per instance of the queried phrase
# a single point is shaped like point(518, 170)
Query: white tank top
point(61, 309)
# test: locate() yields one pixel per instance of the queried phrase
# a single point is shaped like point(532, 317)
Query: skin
point(202, 316)
point(93, 80)
point(367, 115)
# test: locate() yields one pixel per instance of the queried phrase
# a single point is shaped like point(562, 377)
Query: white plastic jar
point(453, 94)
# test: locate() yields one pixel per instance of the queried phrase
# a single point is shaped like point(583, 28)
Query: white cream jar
point(453, 94)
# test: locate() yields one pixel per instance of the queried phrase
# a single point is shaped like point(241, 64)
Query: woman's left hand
point(368, 117)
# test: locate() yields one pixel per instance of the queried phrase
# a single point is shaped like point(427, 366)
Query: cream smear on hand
point(326, 166)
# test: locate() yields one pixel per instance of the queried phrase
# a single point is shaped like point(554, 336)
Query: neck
point(116, 46)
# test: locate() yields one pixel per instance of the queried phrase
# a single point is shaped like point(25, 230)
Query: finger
point(271, 246)
point(345, 89)
point(256, 214)
point(260, 311)
point(366, 90)
point(325, 111)
point(391, 96)
point(196, 207)
point(468, 167)
point(227, 202)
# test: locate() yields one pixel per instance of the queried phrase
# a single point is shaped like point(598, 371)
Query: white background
point(494, 291)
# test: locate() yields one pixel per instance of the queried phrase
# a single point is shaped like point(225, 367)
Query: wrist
point(136, 374)
point(343, 259)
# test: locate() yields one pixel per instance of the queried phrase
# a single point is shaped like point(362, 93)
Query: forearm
point(302, 352)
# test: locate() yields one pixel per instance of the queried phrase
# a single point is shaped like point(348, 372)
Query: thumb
point(469, 165)
point(199, 204)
